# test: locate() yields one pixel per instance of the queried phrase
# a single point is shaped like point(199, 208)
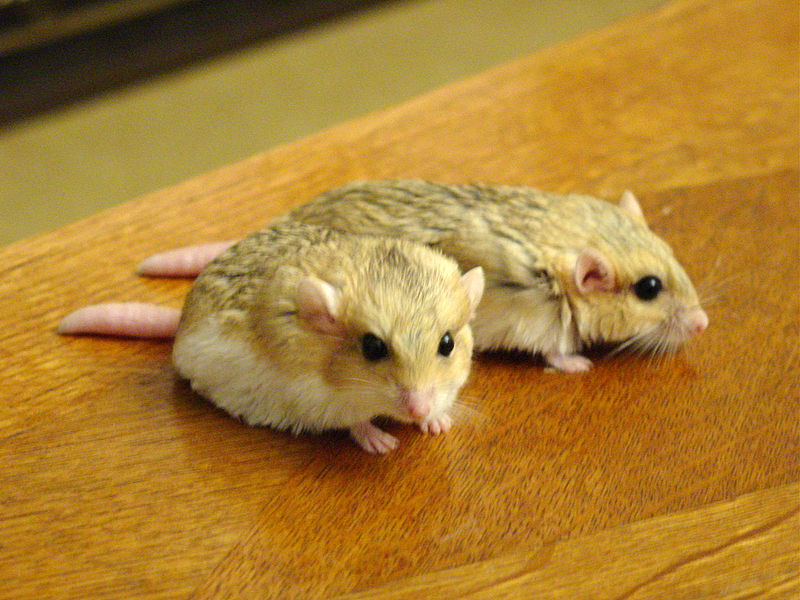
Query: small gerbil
point(563, 271)
point(303, 328)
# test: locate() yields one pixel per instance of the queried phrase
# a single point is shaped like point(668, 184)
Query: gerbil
point(302, 328)
point(563, 272)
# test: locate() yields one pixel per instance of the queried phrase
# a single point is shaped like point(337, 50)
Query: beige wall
point(65, 165)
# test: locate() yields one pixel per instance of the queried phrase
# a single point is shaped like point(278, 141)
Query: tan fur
point(528, 243)
point(242, 342)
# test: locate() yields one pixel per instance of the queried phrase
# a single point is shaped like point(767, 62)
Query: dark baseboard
point(52, 75)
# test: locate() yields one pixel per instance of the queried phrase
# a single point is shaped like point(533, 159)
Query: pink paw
point(436, 425)
point(569, 363)
point(373, 439)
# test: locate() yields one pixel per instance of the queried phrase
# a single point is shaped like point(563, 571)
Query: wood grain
point(117, 482)
point(747, 547)
point(553, 456)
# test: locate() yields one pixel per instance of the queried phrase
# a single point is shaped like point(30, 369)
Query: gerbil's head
point(627, 287)
point(402, 319)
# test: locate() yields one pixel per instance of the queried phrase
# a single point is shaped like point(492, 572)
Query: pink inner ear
point(594, 273)
point(317, 305)
point(473, 282)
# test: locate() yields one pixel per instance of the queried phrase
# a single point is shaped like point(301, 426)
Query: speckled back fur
point(527, 242)
point(243, 343)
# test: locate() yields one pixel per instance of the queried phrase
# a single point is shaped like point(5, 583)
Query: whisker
point(712, 282)
point(636, 341)
point(664, 348)
point(705, 301)
point(714, 266)
point(712, 293)
point(465, 412)
point(690, 351)
point(468, 405)
point(660, 346)
point(656, 351)
point(658, 341)
point(464, 408)
point(623, 346)
point(719, 284)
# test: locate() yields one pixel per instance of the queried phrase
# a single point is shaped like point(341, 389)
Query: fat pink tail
point(126, 319)
point(187, 261)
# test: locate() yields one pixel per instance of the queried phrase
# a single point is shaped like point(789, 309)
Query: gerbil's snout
point(417, 403)
point(696, 321)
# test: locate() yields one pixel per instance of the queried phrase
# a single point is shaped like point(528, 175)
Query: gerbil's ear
point(594, 273)
point(318, 305)
point(630, 205)
point(473, 282)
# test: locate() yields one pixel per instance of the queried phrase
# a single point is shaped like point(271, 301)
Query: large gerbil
point(299, 327)
point(563, 272)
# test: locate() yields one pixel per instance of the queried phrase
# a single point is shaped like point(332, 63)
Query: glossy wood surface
point(666, 478)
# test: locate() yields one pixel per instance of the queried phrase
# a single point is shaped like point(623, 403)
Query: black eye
point(373, 348)
point(647, 287)
point(446, 344)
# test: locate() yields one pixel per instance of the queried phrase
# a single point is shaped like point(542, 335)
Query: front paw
point(436, 425)
point(373, 439)
point(569, 363)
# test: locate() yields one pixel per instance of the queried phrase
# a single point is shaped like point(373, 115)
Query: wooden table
point(673, 478)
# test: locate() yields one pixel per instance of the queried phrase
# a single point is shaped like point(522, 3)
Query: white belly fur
point(226, 370)
point(526, 320)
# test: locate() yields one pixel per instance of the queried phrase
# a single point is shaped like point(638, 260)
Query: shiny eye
point(446, 344)
point(373, 348)
point(647, 287)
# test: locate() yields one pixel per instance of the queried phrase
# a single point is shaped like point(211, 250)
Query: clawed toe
point(436, 425)
point(373, 439)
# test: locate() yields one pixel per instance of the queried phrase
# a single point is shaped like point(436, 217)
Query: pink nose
point(697, 321)
point(417, 403)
